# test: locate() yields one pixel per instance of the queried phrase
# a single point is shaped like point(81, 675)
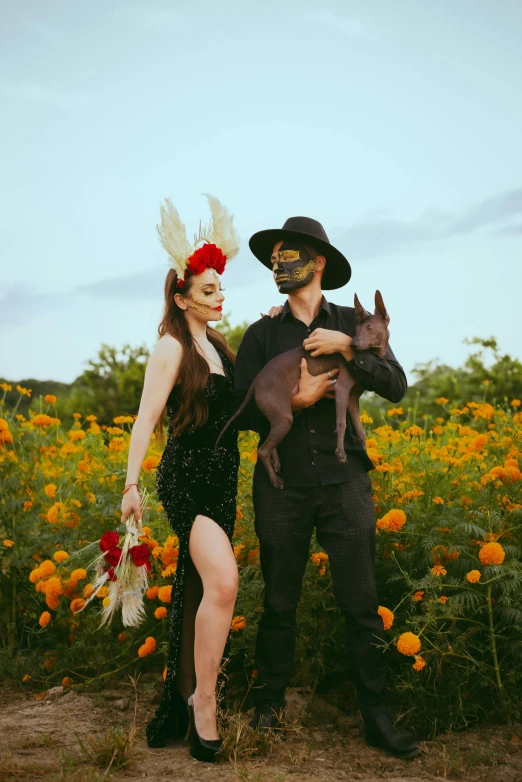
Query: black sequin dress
point(190, 480)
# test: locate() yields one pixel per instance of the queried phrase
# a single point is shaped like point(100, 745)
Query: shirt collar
point(286, 311)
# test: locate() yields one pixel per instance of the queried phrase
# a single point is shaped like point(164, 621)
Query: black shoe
point(267, 718)
point(380, 732)
point(201, 749)
point(161, 732)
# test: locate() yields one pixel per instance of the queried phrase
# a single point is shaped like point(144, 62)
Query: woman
point(190, 373)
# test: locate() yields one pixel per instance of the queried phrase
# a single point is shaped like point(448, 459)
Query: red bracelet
point(129, 485)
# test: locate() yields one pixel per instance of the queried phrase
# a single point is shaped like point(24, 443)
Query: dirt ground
point(39, 740)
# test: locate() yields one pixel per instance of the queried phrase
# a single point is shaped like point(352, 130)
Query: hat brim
point(337, 271)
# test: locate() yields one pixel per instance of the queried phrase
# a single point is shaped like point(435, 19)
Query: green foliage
point(232, 334)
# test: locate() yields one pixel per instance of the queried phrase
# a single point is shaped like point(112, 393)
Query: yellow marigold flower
point(438, 570)
point(238, 623)
point(408, 644)
point(57, 512)
point(8, 543)
point(50, 399)
point(26, 678)
point(117, 444)
point(6, 386)
point(150, 463)
point(393, 521)
point(24, 391)
point(148, 647)
point(60, 556)
point(77, 434)
point(442, 400)
point(387, 616)
point(79, 574)
point(91, 498)
point(395, 411)
point(50, 490)
point(91, 418)
point(414, 431)
point(123, 419)
point(76, 503)
point(473, 576)
point(419, 663)
point(165, 593)
point(77, 604)
point(88, 590)
point(492, 554)
point(66, 681)
point(418, 596)
point(114, 430)
point(160, 612)
point(365, 418)
point(47, 568)
point(437, 429)
point(44, 620)
point(438, 501)
point(4, 426)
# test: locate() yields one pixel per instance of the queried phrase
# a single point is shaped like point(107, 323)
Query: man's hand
point(312, 387)
point(274, 311)
point(324, 341)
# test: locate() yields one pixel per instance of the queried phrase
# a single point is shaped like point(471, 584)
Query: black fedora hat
point(337, 271)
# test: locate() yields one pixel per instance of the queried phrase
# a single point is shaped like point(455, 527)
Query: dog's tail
point(238, 412)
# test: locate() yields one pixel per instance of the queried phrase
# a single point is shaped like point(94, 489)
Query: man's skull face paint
point(294, 268)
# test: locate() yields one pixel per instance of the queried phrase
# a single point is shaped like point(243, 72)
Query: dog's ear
point(380, 309)
point(360, 312)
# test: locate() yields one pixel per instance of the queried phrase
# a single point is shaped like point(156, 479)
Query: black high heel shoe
point(204, 750)
point(175, 726)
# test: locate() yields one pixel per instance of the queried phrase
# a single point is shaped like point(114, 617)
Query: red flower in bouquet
point(111, 574)
point(140, 555)
point(113, 556)
point(109, 540)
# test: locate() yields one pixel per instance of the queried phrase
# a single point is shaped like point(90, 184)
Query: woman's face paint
point(292, 266)
point(206, 295)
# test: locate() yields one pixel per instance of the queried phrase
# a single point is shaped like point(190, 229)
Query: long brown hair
point(194, 371)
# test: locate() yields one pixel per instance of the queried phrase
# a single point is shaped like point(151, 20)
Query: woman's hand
point(326, 341)
point(273, 312)
point(130, 504)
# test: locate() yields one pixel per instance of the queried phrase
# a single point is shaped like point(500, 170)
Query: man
point(319, 491)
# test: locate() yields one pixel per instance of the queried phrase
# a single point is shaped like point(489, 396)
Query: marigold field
point(449, 534)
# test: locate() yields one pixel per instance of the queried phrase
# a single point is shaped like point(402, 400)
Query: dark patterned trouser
point(344, 519)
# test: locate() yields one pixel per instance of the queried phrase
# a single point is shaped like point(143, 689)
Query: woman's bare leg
point(212, 554)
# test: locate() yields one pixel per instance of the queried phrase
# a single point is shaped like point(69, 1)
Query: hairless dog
point(278, 381)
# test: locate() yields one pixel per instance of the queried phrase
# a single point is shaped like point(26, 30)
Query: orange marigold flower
point(387, 616)
point(88, 590)
point(77, 604)
point(438, 570)
point(393, 521)
point(4, 426)
point(79, 574)
point(103, 591)
point(27, 505)
point(442, 400)
point(419, 663)
point(25, 678)
point(122, 637)
point(165, 593)
point(418, 596)
point(438, 501)
point(123, 419)
point(91, 498)
point(8, 543)
point(473, 576)
point(6, 437)
point(319, 558)
point(117, 444)
point(77, 434)
point(164, 675)
point(43, 420)
point(66, 681)
point(160, 612)
point(150, 463)
point(395, 411)
point(148, 647)
point(152, 592)
point(414, 431)
point(50, 399)
point(60, 556)
point(47, 568)
point(50, 490)
point(408, 644)
point(516, 403)
point(44, 620)
point(238, 623)
point(492, 554)
point(443, 599)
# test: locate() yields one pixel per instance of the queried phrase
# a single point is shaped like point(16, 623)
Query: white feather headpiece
point(173, 235)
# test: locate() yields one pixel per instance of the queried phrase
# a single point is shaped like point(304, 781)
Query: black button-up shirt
point(307, 453)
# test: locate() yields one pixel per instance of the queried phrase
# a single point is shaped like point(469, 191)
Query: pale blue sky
point(397, 125)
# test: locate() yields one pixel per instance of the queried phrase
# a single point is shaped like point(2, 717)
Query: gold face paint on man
point(294, 267)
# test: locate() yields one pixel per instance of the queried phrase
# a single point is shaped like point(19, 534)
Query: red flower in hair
point(208, 256)
point(140, 554)
point(109, 540)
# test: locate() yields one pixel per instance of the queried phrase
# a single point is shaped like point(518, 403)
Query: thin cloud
point(33, 92)
point(349, 26)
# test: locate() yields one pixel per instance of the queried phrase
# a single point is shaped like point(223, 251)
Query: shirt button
point(313, 464)
point(360, 362)
point(312, 431)
point(315, 451)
